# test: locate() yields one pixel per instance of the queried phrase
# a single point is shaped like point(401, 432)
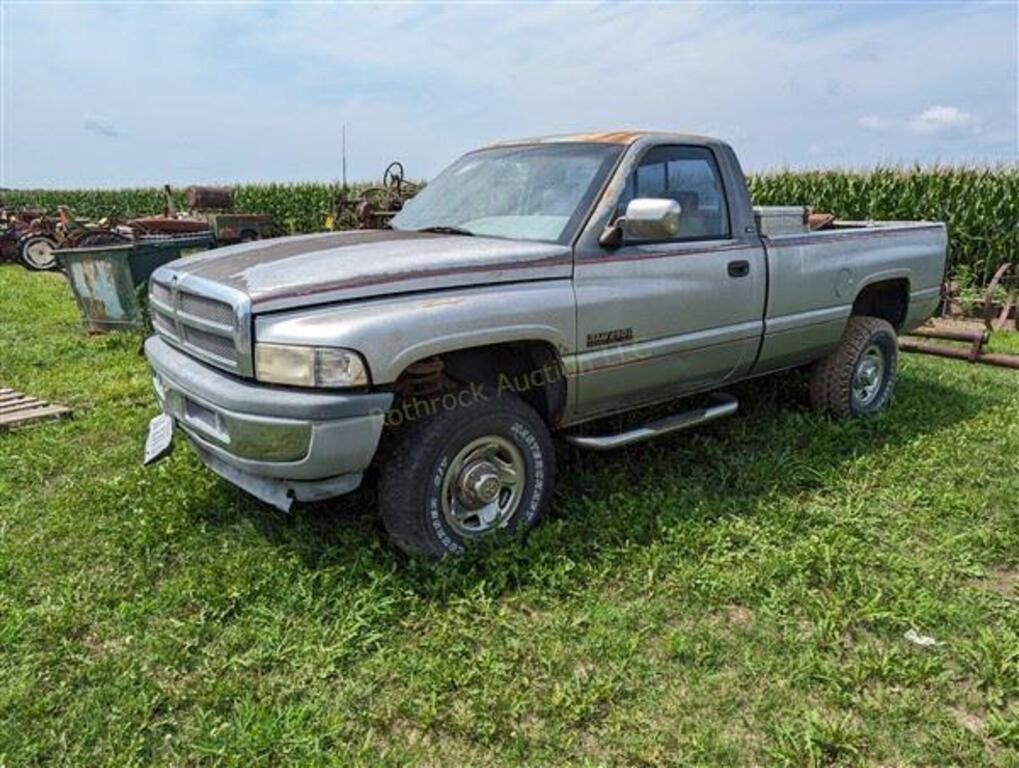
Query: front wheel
point(859, 376)
point(472, 464)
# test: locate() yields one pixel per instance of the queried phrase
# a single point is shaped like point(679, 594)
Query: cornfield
point(980, 205)
point(296, 208)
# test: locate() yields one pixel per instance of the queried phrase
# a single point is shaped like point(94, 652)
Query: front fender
point(393, 332)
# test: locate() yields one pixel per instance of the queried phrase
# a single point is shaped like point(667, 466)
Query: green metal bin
point(105, 278)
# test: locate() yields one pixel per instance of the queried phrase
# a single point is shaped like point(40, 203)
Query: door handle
point(739, 268)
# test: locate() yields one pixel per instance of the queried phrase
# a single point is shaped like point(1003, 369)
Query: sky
point(101, 94)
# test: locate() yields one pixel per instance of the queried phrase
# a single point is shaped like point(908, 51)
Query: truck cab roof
point(625, 137)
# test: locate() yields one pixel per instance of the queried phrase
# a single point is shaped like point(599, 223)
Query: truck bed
point(814, 277)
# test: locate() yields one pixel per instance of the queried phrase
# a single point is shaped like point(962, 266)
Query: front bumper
point(277, 443)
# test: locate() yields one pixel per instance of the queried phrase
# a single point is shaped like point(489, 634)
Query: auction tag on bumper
point(160, 440)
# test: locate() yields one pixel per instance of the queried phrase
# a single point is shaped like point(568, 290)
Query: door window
point(688, 175)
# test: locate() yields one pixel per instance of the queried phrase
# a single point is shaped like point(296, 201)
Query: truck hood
point(311, 269)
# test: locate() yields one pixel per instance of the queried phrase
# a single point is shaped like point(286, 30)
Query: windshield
point(533, 192)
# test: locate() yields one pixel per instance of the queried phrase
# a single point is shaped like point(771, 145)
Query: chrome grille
point(221, 346)
point(161, 293)
point(207, 320)
point(163, 323)
point(210, 309)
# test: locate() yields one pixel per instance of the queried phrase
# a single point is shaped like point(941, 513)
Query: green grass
point(1006, 342)
point(735, 595)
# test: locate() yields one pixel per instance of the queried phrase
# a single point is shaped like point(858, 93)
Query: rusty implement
point(916, 341)
point(71, 232)
point(28, 236)
point(19, 410)
point(230, 227)
point(209, 198)
point(998, 306)
point(214, 206)
point(105, 279)
point(376, 205)
point(943, 350)
point(996, 318)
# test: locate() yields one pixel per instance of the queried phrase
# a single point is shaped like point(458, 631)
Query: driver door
point(683, 314)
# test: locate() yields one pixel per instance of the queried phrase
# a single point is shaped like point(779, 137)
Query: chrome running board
point(724, 405)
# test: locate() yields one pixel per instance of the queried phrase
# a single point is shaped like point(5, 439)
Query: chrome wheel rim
point(869, 375)
point(483, 485)
point(39, 253)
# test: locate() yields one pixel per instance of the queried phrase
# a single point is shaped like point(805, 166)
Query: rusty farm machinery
point(33, 237)
point(374, 206)
point(998, 311)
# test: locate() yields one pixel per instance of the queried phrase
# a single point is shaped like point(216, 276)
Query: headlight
point(309, 366)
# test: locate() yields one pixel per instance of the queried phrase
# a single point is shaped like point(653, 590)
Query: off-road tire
point(831, 379)
point(28, 262)
point(419, 455)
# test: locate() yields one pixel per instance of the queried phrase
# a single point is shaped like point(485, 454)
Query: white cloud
point(943, 122)
point(935, 123)
point(100, 126)
point(874, 123)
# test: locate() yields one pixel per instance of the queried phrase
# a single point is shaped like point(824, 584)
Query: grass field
point(737, 595)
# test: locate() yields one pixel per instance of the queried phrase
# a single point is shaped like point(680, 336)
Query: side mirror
point(646, 218)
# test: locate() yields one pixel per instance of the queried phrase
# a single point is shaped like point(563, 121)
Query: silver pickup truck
point(530, 287)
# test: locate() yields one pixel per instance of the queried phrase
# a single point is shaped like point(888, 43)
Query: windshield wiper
point(444, 229)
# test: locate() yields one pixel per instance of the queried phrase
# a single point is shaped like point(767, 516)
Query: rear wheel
point(859, 376)
point(36, 252)
point(478, 464)
point(249, 235)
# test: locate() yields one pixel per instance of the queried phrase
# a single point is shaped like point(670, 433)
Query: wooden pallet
point(17, 410)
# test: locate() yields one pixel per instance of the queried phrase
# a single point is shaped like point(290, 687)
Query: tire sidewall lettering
point(534, 490)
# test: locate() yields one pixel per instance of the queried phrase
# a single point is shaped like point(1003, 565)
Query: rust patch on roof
point(606, 137)
point(595, 137)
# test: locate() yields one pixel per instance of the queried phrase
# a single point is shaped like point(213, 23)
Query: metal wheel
point(482, 486)
point(858, 376)
point(483, 468)
point(393, 175)
point(869, 375)
point(37, 253)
